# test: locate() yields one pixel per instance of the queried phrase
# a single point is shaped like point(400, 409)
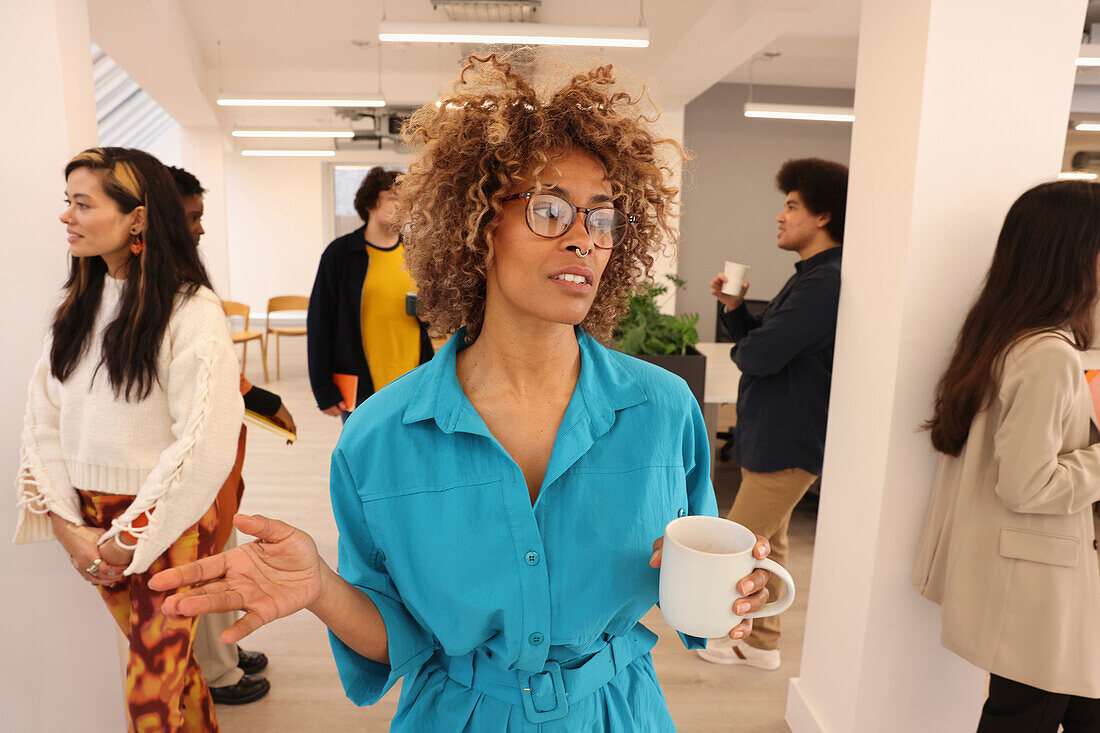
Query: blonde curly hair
point(495, 129)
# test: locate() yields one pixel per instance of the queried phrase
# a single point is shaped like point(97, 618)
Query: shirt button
point(531, 558)
point(682, 512)
point(535, 639)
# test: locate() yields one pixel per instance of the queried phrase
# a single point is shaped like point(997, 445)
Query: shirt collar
point(604, 387)
point(833, 253)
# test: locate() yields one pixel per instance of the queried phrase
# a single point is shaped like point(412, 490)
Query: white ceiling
point(291, 46)
point(820, 51)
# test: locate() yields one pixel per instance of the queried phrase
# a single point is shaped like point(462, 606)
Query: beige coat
point(1009, 544)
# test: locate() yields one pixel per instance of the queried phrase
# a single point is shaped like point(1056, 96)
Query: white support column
point(203, 154)
point(670, 124)
point(959, 108)
point(60, 669)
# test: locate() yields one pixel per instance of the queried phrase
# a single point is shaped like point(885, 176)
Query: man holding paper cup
point(785, 355)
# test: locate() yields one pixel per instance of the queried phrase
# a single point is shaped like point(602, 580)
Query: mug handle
point(775, 607)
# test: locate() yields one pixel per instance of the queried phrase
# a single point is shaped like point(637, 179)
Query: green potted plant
point(661, 339)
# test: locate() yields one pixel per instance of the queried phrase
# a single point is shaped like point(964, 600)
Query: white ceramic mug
point(702, 560)
point(735, 278)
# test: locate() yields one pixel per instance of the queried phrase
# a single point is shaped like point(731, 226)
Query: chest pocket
point(449, 552)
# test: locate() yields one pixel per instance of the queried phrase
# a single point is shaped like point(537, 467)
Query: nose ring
point(577, 251)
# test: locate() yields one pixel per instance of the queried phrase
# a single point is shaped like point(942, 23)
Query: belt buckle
point(560, 709)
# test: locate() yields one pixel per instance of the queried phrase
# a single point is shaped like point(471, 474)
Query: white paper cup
point(702, 560)
point(735, 277)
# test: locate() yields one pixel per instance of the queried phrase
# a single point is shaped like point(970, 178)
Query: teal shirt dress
point(500, 615)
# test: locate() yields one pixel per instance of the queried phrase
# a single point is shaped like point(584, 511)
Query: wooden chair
point(283, 303)
point(232, 308)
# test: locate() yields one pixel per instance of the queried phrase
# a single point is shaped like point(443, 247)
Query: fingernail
point(744, 588)
point(738, 634)
point(741, 608)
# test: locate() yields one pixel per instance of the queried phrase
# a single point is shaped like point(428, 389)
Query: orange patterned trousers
point(165, 689)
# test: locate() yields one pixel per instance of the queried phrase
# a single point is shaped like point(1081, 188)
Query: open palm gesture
point(273, 577)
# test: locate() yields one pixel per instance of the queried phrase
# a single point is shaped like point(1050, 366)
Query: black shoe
point(251, 662)
point(249, 689)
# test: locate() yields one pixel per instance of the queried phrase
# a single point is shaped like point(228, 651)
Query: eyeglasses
point(550, 215)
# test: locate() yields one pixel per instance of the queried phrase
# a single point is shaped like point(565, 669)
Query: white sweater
point(172, 451)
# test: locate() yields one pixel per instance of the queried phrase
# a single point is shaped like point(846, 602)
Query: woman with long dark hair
point(132, 418)
point(1011, 521)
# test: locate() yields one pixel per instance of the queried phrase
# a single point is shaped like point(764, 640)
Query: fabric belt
point(546, 695)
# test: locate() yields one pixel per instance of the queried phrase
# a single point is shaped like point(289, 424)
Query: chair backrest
point(288, 303)
point(285, 303)
point(233, 309)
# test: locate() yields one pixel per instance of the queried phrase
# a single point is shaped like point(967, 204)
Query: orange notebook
point(348, 384)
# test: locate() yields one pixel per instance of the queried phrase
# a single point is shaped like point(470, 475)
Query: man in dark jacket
point(786, 360)
point(357, 324)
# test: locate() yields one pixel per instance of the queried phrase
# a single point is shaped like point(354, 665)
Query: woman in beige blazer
point(1009, 543)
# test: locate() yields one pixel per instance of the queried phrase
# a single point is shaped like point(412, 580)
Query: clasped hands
point(98, 564)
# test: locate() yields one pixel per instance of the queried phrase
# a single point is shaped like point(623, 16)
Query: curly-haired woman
point(498, 507)
point(132, 419)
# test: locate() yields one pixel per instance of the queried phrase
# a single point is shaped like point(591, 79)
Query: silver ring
point(91, 569)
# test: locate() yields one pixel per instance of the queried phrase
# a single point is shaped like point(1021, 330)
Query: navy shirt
point(786, 360)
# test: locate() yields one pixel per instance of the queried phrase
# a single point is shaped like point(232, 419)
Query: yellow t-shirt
point(391, 337)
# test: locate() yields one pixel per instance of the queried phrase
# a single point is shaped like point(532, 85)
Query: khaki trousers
point(218, 661)
point(764, 504)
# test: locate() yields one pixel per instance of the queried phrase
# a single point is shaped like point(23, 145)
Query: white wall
point(203, 151)
point(279, 218)
point(167, 148)
point(730, 199)
point(60, 664)
point(274, 220)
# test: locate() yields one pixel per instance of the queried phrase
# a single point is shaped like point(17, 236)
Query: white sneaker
point(729, 651)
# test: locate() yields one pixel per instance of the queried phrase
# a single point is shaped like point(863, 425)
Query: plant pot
point(691, 367)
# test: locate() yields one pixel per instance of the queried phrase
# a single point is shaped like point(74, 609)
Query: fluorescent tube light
point(329, 134)
point(799, 112)
point(1088, 126)
point(1076, 176)
point(518, 33)
point(288, 153)
point(300, 102)
point(1089, 55)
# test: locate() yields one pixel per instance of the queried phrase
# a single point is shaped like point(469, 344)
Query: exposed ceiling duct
point(489, 11)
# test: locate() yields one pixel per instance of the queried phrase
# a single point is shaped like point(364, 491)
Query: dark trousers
point(1013, 707)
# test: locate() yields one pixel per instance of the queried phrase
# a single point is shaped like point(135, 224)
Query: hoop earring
point(137, 245)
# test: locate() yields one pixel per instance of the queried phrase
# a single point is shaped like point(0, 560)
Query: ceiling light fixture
point(1076, 176)
point(799, 112)
point(329, 134)
point(1087, 126)
point(276, 101)
point(288, 153)
point(518, 33)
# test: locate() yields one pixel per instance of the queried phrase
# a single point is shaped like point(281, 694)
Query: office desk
point(723, 376)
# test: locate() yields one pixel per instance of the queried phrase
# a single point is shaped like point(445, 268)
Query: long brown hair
point(1042, 278)
point(168, 265)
